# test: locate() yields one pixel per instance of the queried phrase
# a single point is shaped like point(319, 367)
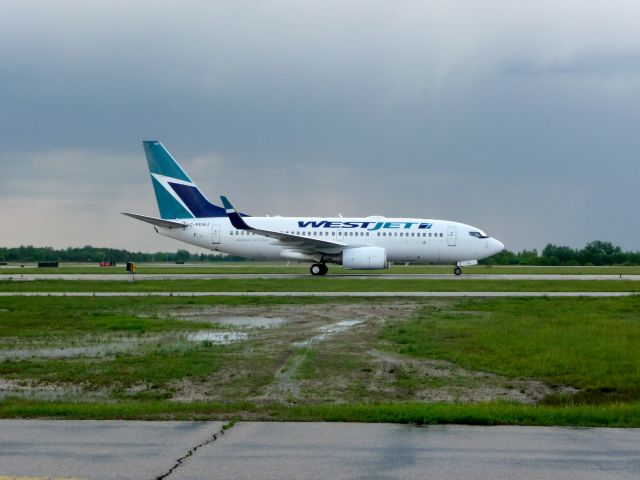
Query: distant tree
point(182, 256)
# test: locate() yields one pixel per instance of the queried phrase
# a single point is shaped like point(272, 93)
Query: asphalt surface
point(97, 449)
point(139, 450)
point(245, 276)
point(318, 294)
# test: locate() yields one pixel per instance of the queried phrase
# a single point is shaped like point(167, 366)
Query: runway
point(265, 451)
point(344, 277)
point(318, 294)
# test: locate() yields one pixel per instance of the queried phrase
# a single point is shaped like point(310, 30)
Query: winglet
point(234, 217)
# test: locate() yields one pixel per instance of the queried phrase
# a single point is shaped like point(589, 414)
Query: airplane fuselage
point(414, 240)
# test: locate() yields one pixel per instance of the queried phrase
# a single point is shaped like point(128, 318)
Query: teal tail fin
point(177, 195)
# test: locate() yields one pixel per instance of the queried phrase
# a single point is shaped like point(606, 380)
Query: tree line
point(593, 253)
point(97, 254)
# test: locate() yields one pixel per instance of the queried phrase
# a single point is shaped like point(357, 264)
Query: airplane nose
point(498, 246)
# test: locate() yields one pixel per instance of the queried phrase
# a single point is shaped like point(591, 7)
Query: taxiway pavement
point(264, 451)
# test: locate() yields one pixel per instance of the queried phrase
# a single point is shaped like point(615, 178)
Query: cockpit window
point(478, 235)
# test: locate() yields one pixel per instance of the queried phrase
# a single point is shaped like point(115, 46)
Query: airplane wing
point(155, 221)
point(287, 240)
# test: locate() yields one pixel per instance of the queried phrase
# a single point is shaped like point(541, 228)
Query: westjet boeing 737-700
point(365, 243)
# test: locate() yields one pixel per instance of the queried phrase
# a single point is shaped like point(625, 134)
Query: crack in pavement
point(190, 453)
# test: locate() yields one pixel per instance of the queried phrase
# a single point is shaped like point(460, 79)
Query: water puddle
point(97, 350)
point(44, 391)
point(243, 319)
point(329, 331)
point(219, 338)
point(253, 322)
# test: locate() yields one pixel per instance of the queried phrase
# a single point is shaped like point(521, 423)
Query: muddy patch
point(441, 381)
point(268, 368)
point(328, 331)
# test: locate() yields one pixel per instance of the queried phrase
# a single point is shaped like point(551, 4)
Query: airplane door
point(215, 233)
point(451, 236)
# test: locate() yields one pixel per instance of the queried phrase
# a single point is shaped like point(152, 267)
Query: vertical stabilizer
point(177, 195)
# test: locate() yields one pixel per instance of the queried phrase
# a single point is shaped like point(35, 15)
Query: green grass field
point(588, 346)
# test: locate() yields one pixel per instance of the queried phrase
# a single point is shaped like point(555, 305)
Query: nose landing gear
point(457, 271)
point(318, 269)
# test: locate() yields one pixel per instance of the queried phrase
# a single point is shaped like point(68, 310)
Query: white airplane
point(364, 243)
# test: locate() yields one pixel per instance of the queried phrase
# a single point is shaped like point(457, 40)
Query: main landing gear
point(457, 271)
point(319, 269)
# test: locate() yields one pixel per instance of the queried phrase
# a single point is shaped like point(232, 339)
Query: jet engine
point(365, 258)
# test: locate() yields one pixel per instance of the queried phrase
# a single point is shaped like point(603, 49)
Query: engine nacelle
point(365, 258)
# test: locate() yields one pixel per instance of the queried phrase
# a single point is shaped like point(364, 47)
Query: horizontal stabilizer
point(159, 222)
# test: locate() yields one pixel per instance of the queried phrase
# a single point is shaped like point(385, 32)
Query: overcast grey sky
point(522, 118)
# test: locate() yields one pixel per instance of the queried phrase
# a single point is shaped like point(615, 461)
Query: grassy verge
point(327, 284)
point(615, 415)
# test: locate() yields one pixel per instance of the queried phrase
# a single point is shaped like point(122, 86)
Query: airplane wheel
point(323, 269)
point(316, 269)
point(457, 271)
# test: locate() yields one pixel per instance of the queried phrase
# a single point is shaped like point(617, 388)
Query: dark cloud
point(517, 118)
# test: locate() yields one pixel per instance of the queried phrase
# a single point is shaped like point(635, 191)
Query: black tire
point(457, 271)
point(316, 269)
point(323, 269)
